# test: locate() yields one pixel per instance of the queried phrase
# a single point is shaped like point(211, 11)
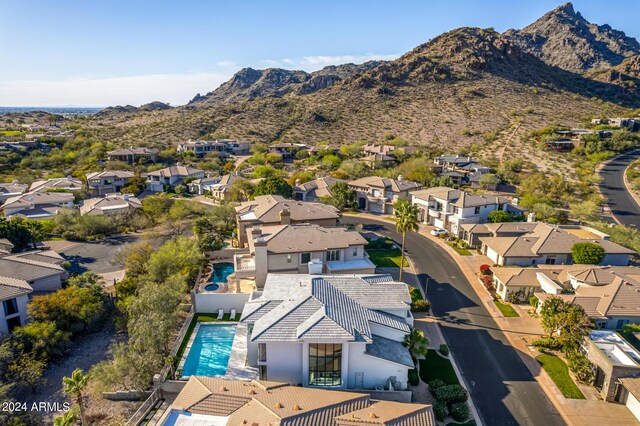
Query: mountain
point(565, 39)
point(249, 83)
point(469, 85)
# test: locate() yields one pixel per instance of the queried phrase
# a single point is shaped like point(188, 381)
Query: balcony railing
point(244, 263)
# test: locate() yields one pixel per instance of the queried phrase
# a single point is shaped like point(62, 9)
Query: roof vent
point(373, 416)
point(278, 405)
point(252, 392)
point(296, 408)
point(222, 389)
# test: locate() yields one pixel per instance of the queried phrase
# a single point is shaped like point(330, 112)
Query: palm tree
point(75, 386)
point(406, 220)
point(416, 342)
point(67, 419)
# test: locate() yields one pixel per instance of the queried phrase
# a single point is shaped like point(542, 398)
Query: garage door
point(375, 207)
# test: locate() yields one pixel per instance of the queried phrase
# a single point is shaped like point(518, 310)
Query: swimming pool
point(221, 272)
point(209, 351)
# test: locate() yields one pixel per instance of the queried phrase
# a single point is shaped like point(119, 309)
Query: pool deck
point(237, 368)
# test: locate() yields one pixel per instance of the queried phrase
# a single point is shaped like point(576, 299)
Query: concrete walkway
point(589, 412)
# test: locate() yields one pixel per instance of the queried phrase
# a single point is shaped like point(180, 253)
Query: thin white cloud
point(176, 89)
point(314, 63)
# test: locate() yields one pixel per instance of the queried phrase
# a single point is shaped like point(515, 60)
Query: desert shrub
point(420, 306)
point(414, 377)
point(380, 244)
point(533, 301)
point(450, 394)
point(581, 367)
point(435, 384)
point(460, 411)
point(440, 411)
point(485, 269)
point(546, 343)
point(444, 349)
point(587, 253)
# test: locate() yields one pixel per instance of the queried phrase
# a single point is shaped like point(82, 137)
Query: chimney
point(260, 260)
point(400, 177)
point(285, 216)
point(531, 217)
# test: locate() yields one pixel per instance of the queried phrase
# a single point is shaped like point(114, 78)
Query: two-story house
point(315, 189)
point(217, 186)
point(8, 190)
point(267, 210)
point(159, 180)
point(224, 147)
point(112, 204)
point(343, 331)
point(14, 295)
point(378, 195)
point(286, 149)
point(107, 182)
point(133, 155)
point(302, 249)
point(449, 208)
point(66, 183)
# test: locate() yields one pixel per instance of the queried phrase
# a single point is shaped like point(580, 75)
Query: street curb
point(599, 168)
point(627, 185)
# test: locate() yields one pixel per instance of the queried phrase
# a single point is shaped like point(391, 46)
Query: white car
point(438, 231)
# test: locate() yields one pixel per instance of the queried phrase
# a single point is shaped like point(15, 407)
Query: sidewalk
point(589, 412)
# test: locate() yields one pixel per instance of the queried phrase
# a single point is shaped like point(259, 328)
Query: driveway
point(502, 387)
point(93, 256)
point(622, 204)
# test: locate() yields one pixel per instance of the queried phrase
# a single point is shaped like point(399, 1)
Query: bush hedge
point(444, 349)
point(435, 384)
point(440, 411)
point(459, 411)
point(420, 306)
point(450, 394)
point(414, 377)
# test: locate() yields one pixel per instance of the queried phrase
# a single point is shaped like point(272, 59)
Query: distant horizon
point(101, 54)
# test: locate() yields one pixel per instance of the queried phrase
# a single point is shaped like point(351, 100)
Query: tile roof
point(395, 185)
point(389, 350)
point(632, 384)
point(389, 413)
point(13, 287)
point(267, 208)
point(134, 151)
point(46, 256)
point(13, 188)
point(175, 171)
point(28, 269)
point(57, 183)
point(308, 238)
point(37, 199)
point(109, 202)
point(317, 188)
point(122, 174)
point(338, 306)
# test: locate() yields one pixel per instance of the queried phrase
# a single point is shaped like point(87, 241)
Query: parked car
point(372, 227)
point(438, 231)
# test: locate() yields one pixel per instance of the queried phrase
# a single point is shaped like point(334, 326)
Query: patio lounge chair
point(233, 314)
point(220, 314)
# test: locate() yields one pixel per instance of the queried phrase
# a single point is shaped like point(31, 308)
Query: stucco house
point(216, 401)
point(107, 182)
point(542, 243)
point(110, 205)
point(133, 155)
point(267, 210)
point(330, 331)
point(14, 295)
point(8, 190)
point(171, 176)
point(37, 205)
point(450, 209)
point(66, 183)
point(217, 186)
point(377, 194)
point(224, 147)
point(42, 270)
point(302, 249)
point(315, 189)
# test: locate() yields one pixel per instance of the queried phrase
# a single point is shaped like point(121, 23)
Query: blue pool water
point(210, 350)
point(221, 272)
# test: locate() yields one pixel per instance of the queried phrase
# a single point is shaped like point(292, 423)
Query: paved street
point(622, 204)
point(502, 388)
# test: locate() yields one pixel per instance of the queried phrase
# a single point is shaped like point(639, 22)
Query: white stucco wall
point(51, 283)
point(634, 406)
point(284, 362)
point(375, 371)
point(22, 310)
point(213, 302)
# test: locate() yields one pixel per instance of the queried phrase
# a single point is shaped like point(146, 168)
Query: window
point(456, 210)
point(325, 364)
point(355, 252)
point(262, 371)
point(305, 257)
point(262, 352)
point(288, 258)
point(550, 261)
point(10, 307)
point(476, 210)
point(333, 255)
point(12, 323)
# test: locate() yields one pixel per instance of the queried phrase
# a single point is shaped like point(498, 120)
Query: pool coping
point(194, 333)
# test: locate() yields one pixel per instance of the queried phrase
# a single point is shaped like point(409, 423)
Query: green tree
point(42, 339)
point(67, 419)
point(273, 186)
point(565, 322)
point(585, 211)
point(488, 181)
point(499, 216)
point(406, 221)
point(587, 253)
point(75, 386)
point(416, 342)
point(72, 308)
point(342, 196)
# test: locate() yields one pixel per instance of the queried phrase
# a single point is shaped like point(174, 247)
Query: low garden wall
point(386, 395)
point(130, 395)
point(213, 302)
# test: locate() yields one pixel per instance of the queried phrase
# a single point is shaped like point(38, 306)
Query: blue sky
point(99, 53)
